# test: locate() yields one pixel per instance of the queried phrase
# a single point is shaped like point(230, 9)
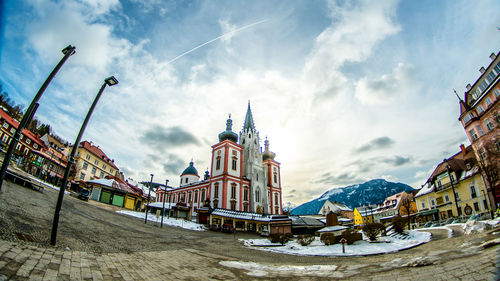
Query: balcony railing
point(444, 186)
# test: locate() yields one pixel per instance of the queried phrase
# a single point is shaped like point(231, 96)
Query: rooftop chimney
point(482, 70)
point(331, 219)
point(462, 149)
point(493, 56)
point(468, 87)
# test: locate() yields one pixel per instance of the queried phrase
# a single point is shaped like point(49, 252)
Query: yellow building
point(455, 188)
point(92, 163)
point(363, 215)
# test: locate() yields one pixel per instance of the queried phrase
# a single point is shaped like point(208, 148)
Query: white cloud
point(60, 24)
point(386, 88)
point(314, 137)
point(354, 31)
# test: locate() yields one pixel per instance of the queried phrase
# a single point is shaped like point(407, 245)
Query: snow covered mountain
point(370, 192)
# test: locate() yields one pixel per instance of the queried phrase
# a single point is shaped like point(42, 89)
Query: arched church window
point(275, 177)
point(234, 163)
point(216, 190)
point(217, 163)
point(257, 196)
point(257, 177)
point(233, 191)
point(249, 135)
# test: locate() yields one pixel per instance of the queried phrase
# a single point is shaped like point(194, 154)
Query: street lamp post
point(30, 112)
point(164, 195)
point(448, 170)
point(111, 81)
point(147, 204)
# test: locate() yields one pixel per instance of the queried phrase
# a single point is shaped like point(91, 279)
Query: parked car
point(227, 228)
point(265, 233)
point(84, 194)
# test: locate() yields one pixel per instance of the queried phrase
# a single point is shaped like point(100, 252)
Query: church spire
point(249, 120)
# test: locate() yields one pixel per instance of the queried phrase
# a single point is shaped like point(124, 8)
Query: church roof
point(267, 153)
point(190, 170)
point(228, 134)
point(249, 120)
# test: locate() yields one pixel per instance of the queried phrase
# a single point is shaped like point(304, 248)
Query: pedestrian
point(498, 211)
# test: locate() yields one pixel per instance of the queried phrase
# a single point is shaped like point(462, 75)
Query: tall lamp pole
point(30, 112)
point(111, 81)
point(149, 194)
point(448, 170)
point(164, 195)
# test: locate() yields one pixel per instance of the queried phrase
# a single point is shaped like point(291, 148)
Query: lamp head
point(68, 50)
point(111, 81)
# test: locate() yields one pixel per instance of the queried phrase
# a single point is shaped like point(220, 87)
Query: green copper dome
point(191, 170)
point(228, 134)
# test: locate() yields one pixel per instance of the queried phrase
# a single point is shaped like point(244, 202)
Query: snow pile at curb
point(480, 226)
point(359, 248)
point(261, 270)
point(166, 220)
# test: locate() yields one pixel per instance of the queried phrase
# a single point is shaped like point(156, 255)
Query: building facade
point(455, 188)
point(392, 207)
point(92, 163)
point(28, 141)
point(242, 177)
point(363, 215)
point(480, 117)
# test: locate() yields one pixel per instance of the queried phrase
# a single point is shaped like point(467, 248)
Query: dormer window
point(468, 117)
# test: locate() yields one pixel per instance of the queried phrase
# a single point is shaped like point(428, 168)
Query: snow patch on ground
point(261, 270)
point(48, 184)
point(450, 230)
point(166, 220)
point(480, 226)
point(359, 248)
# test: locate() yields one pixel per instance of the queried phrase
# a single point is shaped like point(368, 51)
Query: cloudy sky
point(346, 91)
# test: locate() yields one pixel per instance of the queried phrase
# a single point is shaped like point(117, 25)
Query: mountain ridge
point(371, 192)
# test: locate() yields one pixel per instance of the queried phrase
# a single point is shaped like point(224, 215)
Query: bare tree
point(406, 208)
point(489, 164)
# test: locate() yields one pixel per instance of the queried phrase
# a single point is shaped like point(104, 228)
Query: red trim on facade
point(224, 193)
point(226, 154)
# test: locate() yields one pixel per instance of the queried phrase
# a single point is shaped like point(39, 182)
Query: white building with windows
point(242, 176)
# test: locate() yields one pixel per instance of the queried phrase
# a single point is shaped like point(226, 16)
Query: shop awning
point(429, 212)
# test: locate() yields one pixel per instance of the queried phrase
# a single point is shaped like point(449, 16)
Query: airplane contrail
point(216, 38)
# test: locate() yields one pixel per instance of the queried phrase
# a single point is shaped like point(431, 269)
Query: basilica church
point(242, 176)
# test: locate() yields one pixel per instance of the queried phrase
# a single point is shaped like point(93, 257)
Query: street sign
point(343, 241)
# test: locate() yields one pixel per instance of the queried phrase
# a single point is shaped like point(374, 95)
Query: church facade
point(242, 176)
